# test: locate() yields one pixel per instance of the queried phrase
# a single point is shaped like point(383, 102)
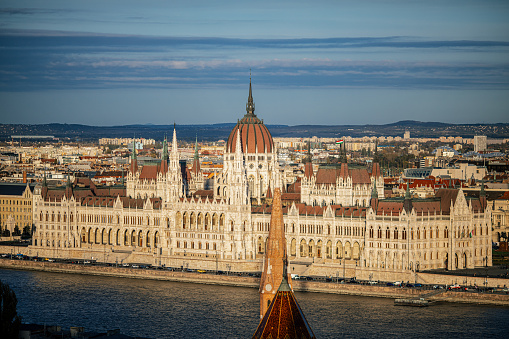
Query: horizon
point(327, 63)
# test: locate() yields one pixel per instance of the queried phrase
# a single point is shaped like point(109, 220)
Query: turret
point(407, 203)
point(482, 196)
point(374, 198)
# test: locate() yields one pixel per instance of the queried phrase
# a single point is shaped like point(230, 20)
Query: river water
point(161, 309)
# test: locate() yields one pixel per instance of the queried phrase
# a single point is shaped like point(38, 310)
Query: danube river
point(161, 309)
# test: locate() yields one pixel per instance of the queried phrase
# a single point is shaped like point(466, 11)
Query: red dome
point(254, 135)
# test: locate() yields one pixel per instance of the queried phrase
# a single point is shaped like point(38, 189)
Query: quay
point(380, 291)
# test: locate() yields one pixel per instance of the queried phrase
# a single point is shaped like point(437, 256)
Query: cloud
point(38, 60)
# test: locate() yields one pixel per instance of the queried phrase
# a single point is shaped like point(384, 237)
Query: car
point(397, 283)
point(201, 271)
point(390, 284)
point(371, 282)
point(135, 266)
point(438, 287)
point(455, 287)
point(409, 285)
point(417, 285)
point(295, 276)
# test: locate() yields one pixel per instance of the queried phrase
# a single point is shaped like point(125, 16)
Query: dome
point(255, 136)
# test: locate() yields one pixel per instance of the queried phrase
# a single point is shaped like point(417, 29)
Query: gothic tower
point(275, 255)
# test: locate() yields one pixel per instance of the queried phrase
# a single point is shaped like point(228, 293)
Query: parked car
point(295, 276)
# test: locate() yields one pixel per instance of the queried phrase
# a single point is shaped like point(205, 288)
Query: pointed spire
point(174, 146)
point(44, 182)
point(407, 203)
point(407, 192)
point(250, 106)
point(272, 274)
point(238, 143)
point(482, 196)
point(196, 148)
point(374, 192)
point(196, 161)
point(133, 154)
point(165, 149)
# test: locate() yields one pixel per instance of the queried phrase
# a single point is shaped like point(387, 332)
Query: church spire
point(250, 106)
point(275, 255)
point(165, 149)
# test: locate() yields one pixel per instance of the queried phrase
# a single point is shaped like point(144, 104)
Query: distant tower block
point(406, 135)
point(480, 143)
point(275, 255)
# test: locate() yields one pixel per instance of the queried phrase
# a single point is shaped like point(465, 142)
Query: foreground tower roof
point(284, 318)
point(255, 136)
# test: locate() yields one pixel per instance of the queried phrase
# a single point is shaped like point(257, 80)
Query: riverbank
point(253, 282)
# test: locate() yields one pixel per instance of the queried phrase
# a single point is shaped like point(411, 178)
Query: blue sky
point(115, 62)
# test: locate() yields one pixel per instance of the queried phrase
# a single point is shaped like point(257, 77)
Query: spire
point(174, 146)
point(238, 143)
point(133, 154)
point(407, 203)
point(374, 192)
point(407, 192)
point(482, 195)
point(196, 148)
point(250, 106)
point(44, 182)
point(374, 198)
point(273, 266)
point(165, 149)
point(196, 161)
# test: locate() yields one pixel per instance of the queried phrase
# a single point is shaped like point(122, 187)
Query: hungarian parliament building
point(336, 219)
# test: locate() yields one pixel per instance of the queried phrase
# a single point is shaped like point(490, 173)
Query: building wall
point(16, 210)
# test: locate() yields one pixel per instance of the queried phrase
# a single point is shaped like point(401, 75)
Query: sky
point(119, 62)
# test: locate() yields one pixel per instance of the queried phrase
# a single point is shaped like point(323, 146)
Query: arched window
point(396, 233)
point(371, 232)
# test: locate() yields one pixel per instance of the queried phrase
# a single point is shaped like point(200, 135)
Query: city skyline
point(337, 63)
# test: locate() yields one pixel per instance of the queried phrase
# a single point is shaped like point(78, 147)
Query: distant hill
point(214, 132)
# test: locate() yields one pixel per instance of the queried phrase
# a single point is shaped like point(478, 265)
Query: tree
point(16, 231)
point(27, 232)
point(9, 319)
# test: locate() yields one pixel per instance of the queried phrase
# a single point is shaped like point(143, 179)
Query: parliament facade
point(336, 221)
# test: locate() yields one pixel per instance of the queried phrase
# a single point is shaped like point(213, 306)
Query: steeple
point(250, 106)
point(275, 255)
point(134, 160)
point(374, 198)
point(165, 149)
point(196, 160)
point(407, 203)
point(482, 195)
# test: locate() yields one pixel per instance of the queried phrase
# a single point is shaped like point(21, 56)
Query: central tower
point(258, 149)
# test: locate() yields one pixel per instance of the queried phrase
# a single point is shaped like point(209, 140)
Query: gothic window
point(387, 233)
point(371, 232)
point(396, 233)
